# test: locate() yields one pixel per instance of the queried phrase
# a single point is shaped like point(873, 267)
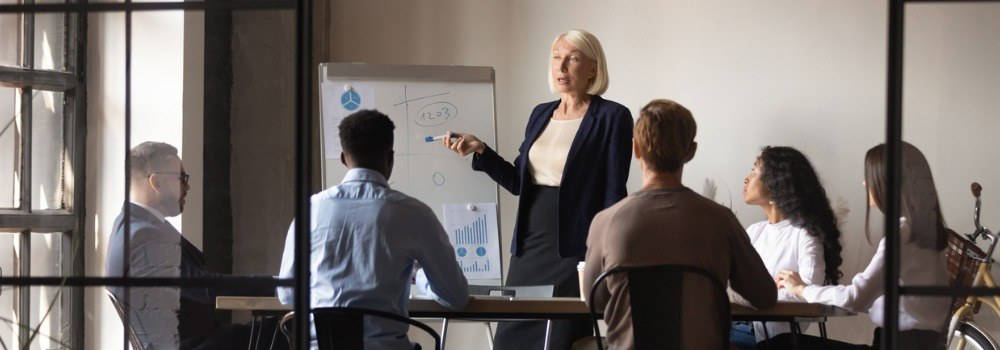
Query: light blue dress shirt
point(366, 240)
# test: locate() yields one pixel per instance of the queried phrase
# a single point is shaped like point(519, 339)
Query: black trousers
point(915, 339)
point(540, 264)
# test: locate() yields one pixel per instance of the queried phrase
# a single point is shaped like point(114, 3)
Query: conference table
point(490, 308)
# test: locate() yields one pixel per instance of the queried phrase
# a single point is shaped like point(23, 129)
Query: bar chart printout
point(472, 230)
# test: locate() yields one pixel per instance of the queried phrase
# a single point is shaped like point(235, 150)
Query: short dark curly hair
point(796, 191)
point(366, 135)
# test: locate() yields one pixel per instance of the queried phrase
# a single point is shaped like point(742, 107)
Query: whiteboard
point(421, 101)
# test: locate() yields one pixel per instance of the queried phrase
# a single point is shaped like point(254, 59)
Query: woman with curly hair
point(800, 233)
point(922, 239)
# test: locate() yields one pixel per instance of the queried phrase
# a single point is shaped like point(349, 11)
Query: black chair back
point(657, 304)
point(342, 328)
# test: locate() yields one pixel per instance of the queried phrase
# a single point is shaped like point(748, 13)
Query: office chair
point(133, 338)
point(342, 328)
point(657, 304)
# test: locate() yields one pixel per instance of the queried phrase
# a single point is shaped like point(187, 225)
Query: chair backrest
point(657, 307)
point(133, 338)
point(342, 328)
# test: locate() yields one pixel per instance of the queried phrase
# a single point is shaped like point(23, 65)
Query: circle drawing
point(350, 100)
point(436, 113)
point(462, 252)
point(481, 251)
point(438, 178)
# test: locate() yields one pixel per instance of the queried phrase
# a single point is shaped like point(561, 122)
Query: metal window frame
point(893, 165)
point(303, 150)
point(303, 159)
point(69, 221)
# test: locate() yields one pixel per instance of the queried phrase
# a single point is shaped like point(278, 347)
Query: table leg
point(822, 330)
point(548, 332)
point(253, 327)
point(274, 337)
point(444, 331)
point(794, 326)
point(764, 327)
point(260, 329)
point(489, 334)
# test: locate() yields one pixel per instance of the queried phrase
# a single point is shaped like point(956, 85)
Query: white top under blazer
point(547, 156)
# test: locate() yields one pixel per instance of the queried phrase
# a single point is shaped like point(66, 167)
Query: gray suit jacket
point(155, 251)
point(165, 317)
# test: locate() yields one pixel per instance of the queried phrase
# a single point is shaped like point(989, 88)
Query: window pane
point(8, 147)
point(47, 302)
point(8, 37)
point(52, 335)
point(8, 267)
point(50, 41)
point(47, 150)
point(46, 254)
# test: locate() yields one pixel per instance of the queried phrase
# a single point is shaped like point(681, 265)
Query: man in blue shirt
point(367, 239)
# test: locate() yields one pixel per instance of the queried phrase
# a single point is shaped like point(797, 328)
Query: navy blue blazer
point(593, 178)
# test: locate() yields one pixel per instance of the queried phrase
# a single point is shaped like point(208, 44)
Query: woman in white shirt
point(923, 237)
point(800, 233)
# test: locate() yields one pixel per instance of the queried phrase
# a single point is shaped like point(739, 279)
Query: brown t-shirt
point(673, 226)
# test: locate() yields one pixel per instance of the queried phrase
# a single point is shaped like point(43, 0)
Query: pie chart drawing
point(350, 100)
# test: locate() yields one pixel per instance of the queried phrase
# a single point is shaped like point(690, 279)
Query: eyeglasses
point(184, 177)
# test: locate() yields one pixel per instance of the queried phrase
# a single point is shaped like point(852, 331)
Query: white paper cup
point(583, 289)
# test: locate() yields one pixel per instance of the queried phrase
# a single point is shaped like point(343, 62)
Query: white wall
point(164, 108)
point(809, 74)
point(952, 81)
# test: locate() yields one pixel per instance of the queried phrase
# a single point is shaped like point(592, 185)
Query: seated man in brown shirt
point(667, 223)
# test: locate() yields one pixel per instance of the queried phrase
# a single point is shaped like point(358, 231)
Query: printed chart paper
point(473, 231)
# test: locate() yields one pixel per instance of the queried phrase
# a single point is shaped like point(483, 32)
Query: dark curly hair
point(795, 190)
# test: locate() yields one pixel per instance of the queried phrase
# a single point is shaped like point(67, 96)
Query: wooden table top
point(502, 307)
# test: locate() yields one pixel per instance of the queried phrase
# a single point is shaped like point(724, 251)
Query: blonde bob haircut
point(589, 46)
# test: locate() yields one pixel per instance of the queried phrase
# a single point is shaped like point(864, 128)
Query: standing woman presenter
point(573, 163)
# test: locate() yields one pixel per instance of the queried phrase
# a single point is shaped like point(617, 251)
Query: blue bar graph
point(473, 233)
point(475, 266)
point(475, 246)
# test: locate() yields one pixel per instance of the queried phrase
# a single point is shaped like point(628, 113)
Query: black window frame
point(893, 168)
point(75, 278)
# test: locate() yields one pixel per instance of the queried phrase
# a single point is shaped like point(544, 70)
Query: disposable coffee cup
point(579, 271)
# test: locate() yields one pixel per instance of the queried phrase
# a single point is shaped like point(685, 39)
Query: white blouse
point(918, 267)
point(783, 246)
point(547, 156)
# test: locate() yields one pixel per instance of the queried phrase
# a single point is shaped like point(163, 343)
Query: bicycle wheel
point(972, 337)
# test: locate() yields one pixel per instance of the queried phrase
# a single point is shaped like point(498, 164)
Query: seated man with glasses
point(368, 238)
point(166, 317)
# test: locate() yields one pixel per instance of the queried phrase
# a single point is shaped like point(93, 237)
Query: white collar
point(365, 175)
